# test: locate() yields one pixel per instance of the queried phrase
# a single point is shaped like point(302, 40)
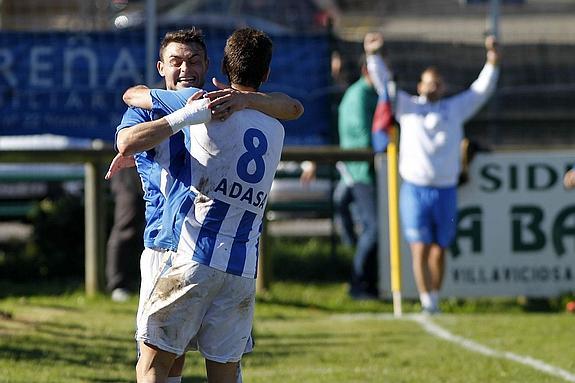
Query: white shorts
point(150, 262)
point(193, 306)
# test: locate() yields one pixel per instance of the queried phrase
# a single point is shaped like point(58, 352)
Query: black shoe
point(361, 295)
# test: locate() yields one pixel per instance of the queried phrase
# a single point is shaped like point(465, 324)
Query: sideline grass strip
point(468, 344)
point(302, 335)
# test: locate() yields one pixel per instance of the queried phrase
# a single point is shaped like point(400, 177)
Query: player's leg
point(420, 260)
point(211, 365)
point(421, 273)
point(225, 334)
point(222, 372)
point(173, 312)
point(154, 364)
point(436, 266)
point(175, 374)
point(445, 218)
point(150, 264)
point(415, 202)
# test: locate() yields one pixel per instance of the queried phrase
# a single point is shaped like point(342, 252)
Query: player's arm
point(569, 179)
point(226, 101)
point(147, 135)
point(380, 74)
point(131, 117)
point(139, 136)
point(492, 48)
point(469, 102)
point(138, 96)
point(378, 71)
point(142, 137)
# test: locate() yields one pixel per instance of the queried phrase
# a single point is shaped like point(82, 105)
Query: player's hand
point(490, 42)
point(226, 100)
point(373, 43)
point(196, 96)
point(308, 172)
point(118, 163)
point(569, 179)
point(492, 48)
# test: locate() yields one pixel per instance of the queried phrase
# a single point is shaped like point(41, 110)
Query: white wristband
point(195, 113)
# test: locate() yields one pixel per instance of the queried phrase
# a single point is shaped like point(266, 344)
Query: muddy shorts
point(193, 306)
point(150, 262)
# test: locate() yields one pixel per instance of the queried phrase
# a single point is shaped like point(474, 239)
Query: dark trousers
point(364, 277)
point(342, 200)
point(125, 243)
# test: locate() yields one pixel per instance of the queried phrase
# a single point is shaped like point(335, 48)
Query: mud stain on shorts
point(244, 305)
point(167, 286)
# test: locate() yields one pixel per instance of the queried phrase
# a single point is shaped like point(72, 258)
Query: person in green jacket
point(355, 116)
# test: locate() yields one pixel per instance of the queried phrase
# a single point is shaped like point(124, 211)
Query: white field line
point(438, 331)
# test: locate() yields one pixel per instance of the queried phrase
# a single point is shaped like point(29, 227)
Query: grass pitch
point(304, 333)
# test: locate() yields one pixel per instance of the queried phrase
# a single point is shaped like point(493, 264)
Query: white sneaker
point(120, 295)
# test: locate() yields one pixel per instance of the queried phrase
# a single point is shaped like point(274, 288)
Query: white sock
point(434, 295)
point(425, 299)
point(174, 379)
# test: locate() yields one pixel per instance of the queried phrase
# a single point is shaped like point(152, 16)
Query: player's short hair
point(247, 57)
point(184, 36)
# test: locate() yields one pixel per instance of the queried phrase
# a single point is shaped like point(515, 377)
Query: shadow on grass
point(191, 379)
point(53, 343)
point(43, 288)
point(505, 305)
point(294, 303)
point(310, 259)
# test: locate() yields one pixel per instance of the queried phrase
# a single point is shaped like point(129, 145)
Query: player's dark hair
point(247, 57)
point(184, 36)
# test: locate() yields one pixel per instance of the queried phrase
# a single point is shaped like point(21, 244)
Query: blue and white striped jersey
point(149, 172)
point(155, 180)
point(217, 218)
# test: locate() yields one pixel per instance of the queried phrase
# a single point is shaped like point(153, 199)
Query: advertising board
point(515, 231)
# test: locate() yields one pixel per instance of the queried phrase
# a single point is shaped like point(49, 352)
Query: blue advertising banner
point(72, 83)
